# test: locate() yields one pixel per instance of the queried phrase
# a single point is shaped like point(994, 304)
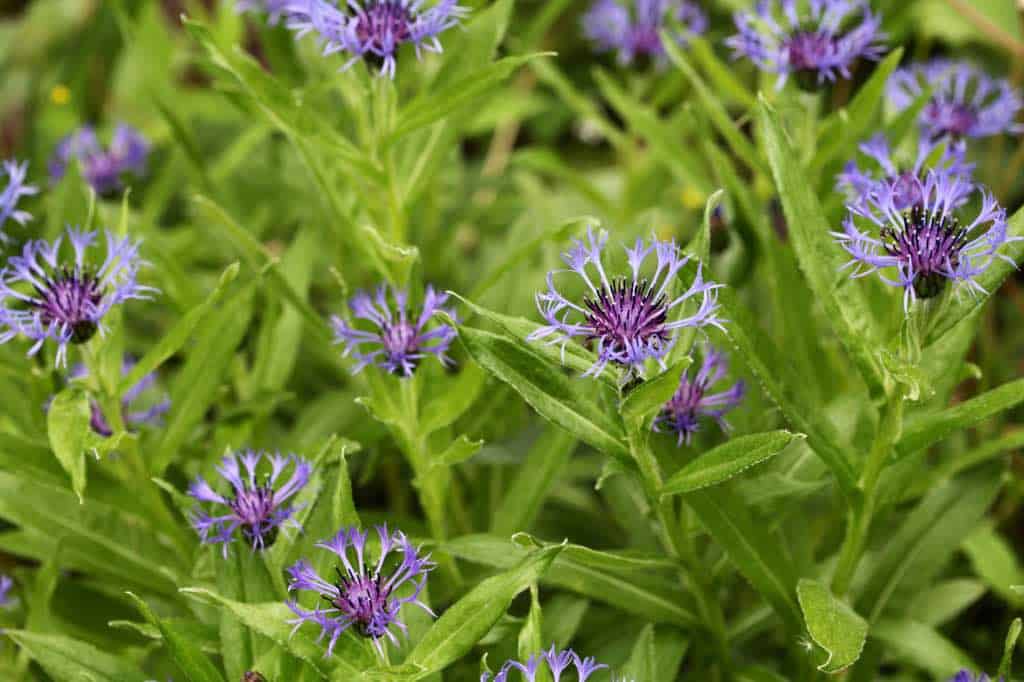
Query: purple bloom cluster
point(372, 29)
point(630, 319)
point(401, 338)
point(816, 41)
point(926, 243)
point(557, 662)
point(632, 28)
point(691, 401)
point(968, 676)
point(364, 595)
point(905, 180)
point(259, 506)
point(103, 169)
point(966, 101)
point(136, 413)
point(12, 194)
point(42, 297)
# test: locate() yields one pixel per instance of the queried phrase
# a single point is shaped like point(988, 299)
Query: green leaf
point(750, 547)
point(995, 562)
point(819, 256)
point(461, 449)
point(928, 537)
point(832, 624)
point(534, 480)
point(1009, 645)
point(924, 432)
point(531, 634)
point(67, 659)
point(657, 654)
point(923, 647)
point(968, 304)
point(469, 619)
point(722, 75)
point(650, 397)
point(546, 388)
point(176, 338)
point(68, 427)
point(455, 398)
point(727, 460)
point(352, 655)
point(185, 651)
point(945, 601)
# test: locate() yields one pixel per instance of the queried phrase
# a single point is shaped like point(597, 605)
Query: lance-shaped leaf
point(64, 658)
point(649, 397)
point(832, 624)
point(727, 460)
point(185, 651)
point(68, 427)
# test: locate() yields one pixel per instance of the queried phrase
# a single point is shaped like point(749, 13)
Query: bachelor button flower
point(629, 318)
point(42, 297)
point(814, 40)
point(966, 101)
point(6, 600)
point(103, 169)
point(556, 662)
point(364, 595)
point(136, 410)
point(12, 193)
point(257, 505)
point(968, 676)
point(400, 341)
point(374, 29)
point(906, 180)
point(926, 243)
point(692, 401)
point(631, 27)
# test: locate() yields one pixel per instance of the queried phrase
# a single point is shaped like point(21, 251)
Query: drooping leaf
point(832, 624)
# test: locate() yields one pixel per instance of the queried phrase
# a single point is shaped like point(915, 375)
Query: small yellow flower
point(60, 94)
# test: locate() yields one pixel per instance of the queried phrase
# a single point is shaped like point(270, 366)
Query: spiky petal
point(136, 410)
point(556, 662)
point(12, 193)
point(631, 28)
point(103, 168)
point(692, 401)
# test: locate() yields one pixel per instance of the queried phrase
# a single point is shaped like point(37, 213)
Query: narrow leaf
point(832, 624)
point(68, 427)
point(728, 460)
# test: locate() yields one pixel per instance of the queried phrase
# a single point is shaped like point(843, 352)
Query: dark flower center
point(364, 599)
point(808, 49)
point(254, 508)
point(627, 317)
point(383, 24)
point(70, 298)
point(645, 40)
point(951, 118)
point(928, 246)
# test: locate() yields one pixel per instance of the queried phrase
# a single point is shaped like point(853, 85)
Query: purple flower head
point(137, 410)
point(905, 180)
point(968, 676)
point(631, 27)
point(257, 504)
point(401, 338)
point(926, 245)
point(44, 297)
point(6, 583)
point(556, 662)
point(12, 193)
point(966, 101)
point(275, 9)
point(630, 319)
point(366, 595)
point(692, 400)
point(374, 29)
point(815, 41)
point(103, 169)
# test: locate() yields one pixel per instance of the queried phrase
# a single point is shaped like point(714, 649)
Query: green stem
point(860, 515)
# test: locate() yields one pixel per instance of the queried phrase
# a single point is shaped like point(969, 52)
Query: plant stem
point(860, 515)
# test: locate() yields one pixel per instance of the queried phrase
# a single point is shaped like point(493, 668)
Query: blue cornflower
point(103, 169)
point(691, 401)
point(364, 595)
point(259, 506)
point(374, 29)
point(557, 662)
point(965, 102)
point(816, 41)
point(629, 318)
point(926, 244)
point(905, 180)
point(401, 338)
point(631, 27)
point(6, 583)
point(968, 676)
point(12, 193)
point(137, 411)
point(42, 297)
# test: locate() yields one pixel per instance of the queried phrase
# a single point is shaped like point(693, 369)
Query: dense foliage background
point(277, 186)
